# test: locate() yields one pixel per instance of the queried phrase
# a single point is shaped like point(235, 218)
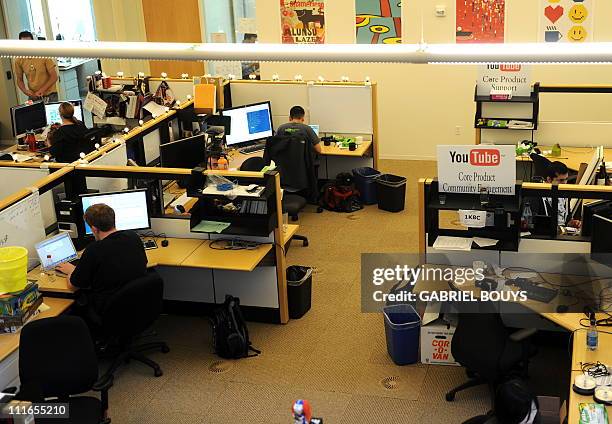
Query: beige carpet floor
point(335, 356)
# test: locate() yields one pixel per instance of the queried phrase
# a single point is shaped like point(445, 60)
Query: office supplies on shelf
point(453, 243)
point(210, 226)
point(238, 190)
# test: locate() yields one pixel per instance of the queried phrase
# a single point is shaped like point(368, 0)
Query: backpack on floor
point(341, 195)
point(230, 333)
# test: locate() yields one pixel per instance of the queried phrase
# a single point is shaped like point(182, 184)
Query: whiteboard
point(27, 177)
point(282, 97)
point(341, 109)
point(21, 224)
point(116, 157)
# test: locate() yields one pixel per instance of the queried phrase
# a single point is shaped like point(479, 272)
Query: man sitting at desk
point(114, 259)
point(296, 127)
point(68, 141)
point(557, 173)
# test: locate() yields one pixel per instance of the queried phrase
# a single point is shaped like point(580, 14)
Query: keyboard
point(252, 149)
point(533, 291)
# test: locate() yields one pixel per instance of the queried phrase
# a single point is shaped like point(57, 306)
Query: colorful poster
point(378, 21)
point(566, 21)
point(480, 21)
point(303, 22)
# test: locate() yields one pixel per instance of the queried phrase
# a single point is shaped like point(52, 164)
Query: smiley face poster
point(378, 21)
point(566, 21)
point(480, 21)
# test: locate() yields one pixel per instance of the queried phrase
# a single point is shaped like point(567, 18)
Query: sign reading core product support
point(470, 169)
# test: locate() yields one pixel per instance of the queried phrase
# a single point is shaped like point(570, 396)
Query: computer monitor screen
point(52, 111)
point(186, 153)
point(55, 250)
point(131, 211)
point(601, 248)
point(28, 118)
point(599, 207)
point(249, 123)
point(315, 128)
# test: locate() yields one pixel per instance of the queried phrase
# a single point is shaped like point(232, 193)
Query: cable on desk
point(234, 244)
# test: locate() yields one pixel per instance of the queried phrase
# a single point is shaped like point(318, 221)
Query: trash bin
point(402, 329)
point(13, 268)
point(365, 181)
point(391, 192)
point(299, 290)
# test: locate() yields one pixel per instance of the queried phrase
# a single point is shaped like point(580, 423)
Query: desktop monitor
point(601, 248)
point(315, 128)
point(599, 207)
point(52, 111)
point(55, 250)
point(130, 206)
point(28, 118)
point(186, 153)
point(249, 123)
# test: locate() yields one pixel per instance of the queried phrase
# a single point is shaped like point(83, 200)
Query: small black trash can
point(365, 181)
point(299, 290)
point(391, 192)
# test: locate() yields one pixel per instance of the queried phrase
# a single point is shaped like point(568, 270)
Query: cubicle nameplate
point(470, 169)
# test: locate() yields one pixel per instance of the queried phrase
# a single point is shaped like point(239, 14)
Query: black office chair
point(130, 311)
point(484, 346)
point(540, 166)
point(292, 203)
point(57, 359)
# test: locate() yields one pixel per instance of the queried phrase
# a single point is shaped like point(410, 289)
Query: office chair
point(483, 345)
point(129, 312)
point(57, 359)
point(540, 165)
point(292, 203)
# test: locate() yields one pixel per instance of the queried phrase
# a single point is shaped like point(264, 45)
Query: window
point(71, 23)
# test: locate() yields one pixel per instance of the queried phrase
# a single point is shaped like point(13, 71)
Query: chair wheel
point(305, 243)
point(165, 349)
point(450, 396)
point(158, 372)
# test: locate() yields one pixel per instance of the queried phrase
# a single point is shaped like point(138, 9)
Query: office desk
point(233, 260)
point(572, 157)
point(289, 231)
point(573, 415)
point(333, 159)
point(175, 254)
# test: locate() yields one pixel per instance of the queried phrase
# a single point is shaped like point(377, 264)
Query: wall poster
point(480, 21)
point(303, 22)
point(566, 21)
point(378, 21)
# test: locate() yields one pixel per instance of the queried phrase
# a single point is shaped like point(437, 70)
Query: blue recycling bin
point(402, 329)
point(365, 181)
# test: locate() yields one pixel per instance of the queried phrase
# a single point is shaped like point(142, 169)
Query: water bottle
point(591, 338)
point(527, 218)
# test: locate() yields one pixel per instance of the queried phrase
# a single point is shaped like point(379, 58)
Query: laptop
point(55, 250)
point(315, 128)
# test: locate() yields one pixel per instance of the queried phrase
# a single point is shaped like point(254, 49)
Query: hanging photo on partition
point(303, 22)
point(480, 21)
point(378, 21)
point(566, 21)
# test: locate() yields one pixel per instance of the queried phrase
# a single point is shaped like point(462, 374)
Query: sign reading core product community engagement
point(469, 169)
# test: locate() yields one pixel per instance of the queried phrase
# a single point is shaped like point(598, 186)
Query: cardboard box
point(13, 304)
point(437, 331)
point(12, 324)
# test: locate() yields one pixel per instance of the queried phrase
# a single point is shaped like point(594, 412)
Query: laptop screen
point(55, 250)
point(315, 128)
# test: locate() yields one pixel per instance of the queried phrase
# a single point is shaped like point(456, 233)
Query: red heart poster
point(553, 13)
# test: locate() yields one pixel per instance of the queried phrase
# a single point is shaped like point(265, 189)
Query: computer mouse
point(562, 309)
point(165, 243)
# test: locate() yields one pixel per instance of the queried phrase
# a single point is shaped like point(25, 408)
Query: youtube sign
point(485, 157)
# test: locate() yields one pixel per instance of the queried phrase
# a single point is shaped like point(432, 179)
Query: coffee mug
point(352, 146)
point(552, 36)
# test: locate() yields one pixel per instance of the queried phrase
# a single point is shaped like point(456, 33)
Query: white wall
point(421, 106)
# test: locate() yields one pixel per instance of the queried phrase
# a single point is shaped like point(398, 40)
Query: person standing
point(40, 73)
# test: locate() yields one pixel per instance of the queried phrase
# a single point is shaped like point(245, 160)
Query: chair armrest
point(103, 384)
point(522, 334)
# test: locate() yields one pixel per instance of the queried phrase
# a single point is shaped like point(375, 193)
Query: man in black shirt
point(114, 259)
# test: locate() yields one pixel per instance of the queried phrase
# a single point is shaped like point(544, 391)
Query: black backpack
point(230, 334)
